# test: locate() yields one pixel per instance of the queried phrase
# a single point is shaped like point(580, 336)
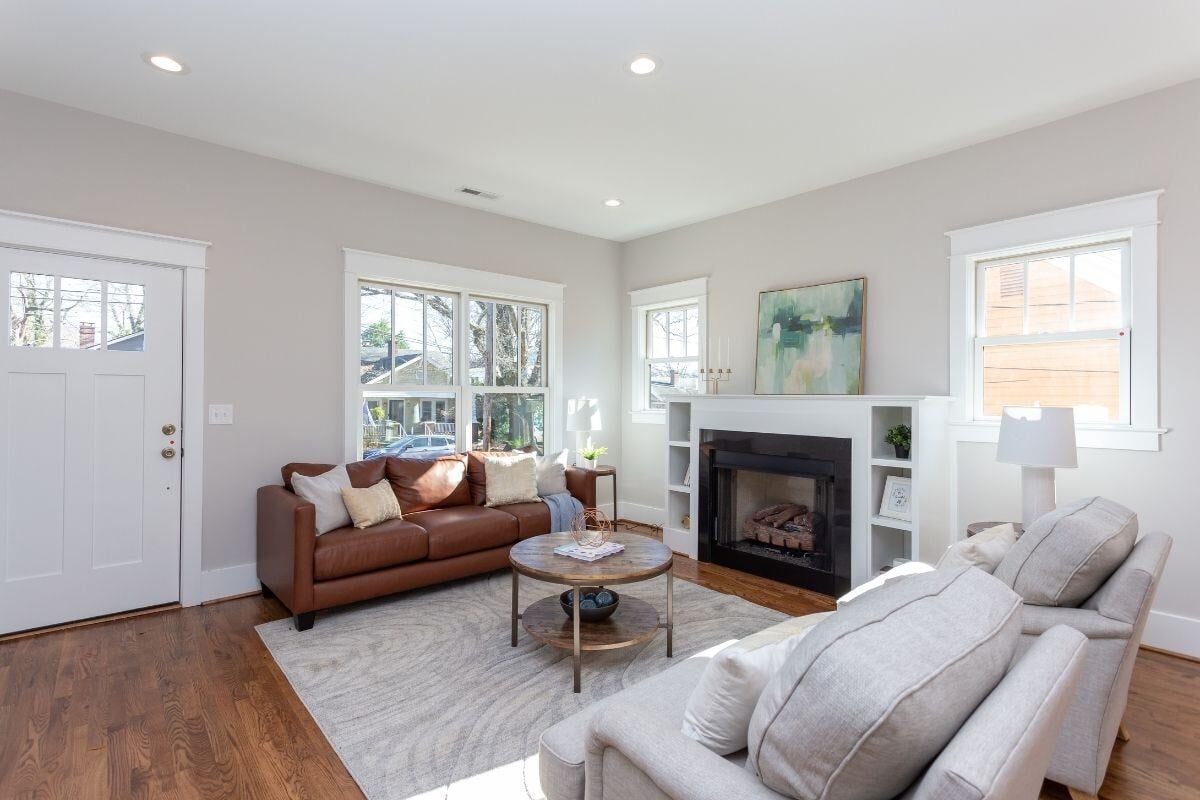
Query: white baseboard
point(1173, 632)
point(228, 581)
point(636, 512)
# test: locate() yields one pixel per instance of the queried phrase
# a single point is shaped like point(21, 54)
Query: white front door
point(90, 399)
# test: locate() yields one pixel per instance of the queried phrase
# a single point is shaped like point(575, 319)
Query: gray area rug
point(422, 696)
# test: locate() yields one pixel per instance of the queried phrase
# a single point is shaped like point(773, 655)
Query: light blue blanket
point(563, 508)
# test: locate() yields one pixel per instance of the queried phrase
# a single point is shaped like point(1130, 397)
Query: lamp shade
point(1037, 437)
point(583, 415)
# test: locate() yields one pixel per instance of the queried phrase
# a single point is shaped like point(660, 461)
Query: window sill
point(648, 417)
point(1101, 437)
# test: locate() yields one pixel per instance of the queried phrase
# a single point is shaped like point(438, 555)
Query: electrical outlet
point(220, 415)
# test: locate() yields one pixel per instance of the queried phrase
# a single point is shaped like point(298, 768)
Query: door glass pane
point(533, 336)
point(1049, 295)
point(657, 337)
point(392, 425)
point(439, 339)
point(79, 314)
point(126, 316)
point(408, 341)
point(672, 378)
point(375, 334)
point(506, 345)
point(1085, 375)
point(31, 310)
point(508, 421)
point(480, 332)
point(1098, 291)
point(1004, 300)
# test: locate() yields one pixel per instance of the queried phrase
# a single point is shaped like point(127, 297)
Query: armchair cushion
point(875, 691)
point(1064, 556)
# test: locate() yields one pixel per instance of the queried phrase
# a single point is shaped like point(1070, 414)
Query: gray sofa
point(997, 744)
point(1112, 619)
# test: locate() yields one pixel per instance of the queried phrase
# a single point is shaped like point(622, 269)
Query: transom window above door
point(70, 313)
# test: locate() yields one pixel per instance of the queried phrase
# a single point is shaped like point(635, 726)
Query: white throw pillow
point(891, 576)
point(985, 549)
point(719, 709)
point(552, 473)
point(325, 492)
point(510, 479)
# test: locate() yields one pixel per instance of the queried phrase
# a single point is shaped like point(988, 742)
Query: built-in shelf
point(901, 463)
point(888, 522)
point(679, 444)
point(679, 487)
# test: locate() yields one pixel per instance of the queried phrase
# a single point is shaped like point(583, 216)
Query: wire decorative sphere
point(591, 528)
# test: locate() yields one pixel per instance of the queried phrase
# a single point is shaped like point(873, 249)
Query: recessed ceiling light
point(613, 202)
point(643, 65)
point(165, 63)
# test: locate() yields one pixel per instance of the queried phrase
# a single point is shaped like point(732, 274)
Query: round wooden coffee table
point(634, 620)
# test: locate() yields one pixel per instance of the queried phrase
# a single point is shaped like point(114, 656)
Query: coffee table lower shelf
point(633, 622)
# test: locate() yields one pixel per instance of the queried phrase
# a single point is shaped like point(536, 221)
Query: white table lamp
point(583, 417)
point(1039, 439)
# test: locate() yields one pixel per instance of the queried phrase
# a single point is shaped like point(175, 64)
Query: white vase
point(590, 463)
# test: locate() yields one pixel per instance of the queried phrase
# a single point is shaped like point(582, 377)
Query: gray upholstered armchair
point(1113, 620)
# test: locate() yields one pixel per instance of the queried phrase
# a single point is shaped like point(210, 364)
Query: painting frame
point(896, 502)
point(860, 377)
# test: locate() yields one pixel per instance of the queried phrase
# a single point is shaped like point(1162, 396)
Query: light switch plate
point(220, 415)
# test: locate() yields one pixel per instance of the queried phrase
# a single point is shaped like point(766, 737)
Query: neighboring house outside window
point(668, 345)
point(1059, 309)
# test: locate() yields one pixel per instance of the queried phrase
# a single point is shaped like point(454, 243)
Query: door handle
point(168, 429)
point(168, 452)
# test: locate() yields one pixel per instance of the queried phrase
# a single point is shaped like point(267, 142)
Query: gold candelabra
point(715, 377)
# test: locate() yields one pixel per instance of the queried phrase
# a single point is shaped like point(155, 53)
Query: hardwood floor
point(187, 703)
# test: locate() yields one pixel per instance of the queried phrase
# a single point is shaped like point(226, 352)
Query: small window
point(672, 353)
point(75, 313)
point(1052, 329)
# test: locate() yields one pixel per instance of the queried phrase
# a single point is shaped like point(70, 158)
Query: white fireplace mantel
point(864, 419)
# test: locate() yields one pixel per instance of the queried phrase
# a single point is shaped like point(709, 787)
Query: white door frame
point(33, 232)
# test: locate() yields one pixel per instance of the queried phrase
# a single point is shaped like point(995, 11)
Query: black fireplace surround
point(813, 550)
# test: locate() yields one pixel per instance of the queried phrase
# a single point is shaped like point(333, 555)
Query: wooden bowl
point(589, 614)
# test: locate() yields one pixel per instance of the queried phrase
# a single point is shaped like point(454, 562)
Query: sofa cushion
point(1066, 555)
point(421, 484)
point(362, 473)
point(875, 691)
point(465, 529)
point(533, 519)
point(353, 551)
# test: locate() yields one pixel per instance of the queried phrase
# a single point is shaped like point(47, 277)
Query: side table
point(603, 470)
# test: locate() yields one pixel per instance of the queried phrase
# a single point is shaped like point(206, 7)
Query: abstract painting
point(810, 339)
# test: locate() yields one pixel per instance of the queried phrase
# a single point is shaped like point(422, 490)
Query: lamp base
point(1037, 493)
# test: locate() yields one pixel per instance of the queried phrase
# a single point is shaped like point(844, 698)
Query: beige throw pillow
point(510, 479)
point(552, 473)
point(985, 549)
point(372, 505)
point(324, 491)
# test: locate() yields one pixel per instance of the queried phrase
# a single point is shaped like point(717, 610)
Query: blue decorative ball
point(590, 596)
point(587, 602)
point(604, 598)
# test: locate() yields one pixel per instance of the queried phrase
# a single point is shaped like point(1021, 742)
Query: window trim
point(655, 298)
point(1134, 218)
point(367, 267)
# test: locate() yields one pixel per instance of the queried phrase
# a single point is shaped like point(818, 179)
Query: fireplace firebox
point(777, 505)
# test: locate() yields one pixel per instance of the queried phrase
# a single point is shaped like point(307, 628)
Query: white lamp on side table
point(1039, 439)
point(583, 417)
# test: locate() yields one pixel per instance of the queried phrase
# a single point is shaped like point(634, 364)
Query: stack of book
point(589, 553)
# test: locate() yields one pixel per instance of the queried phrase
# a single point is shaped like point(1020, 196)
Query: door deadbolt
point(168, 452)
point(168, 429)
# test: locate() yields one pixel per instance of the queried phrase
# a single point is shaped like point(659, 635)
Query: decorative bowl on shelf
point(598, 603)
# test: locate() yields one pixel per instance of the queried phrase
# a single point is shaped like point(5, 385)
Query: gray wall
point(274, 290)
point(890, 227)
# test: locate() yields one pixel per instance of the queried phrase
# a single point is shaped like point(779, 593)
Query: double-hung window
point(668, 345)
point(440, 368)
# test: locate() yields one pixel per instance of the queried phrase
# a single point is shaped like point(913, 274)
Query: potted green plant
point(590, 454)
point(900, 437)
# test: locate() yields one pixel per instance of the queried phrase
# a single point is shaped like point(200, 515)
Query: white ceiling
point(755, 99)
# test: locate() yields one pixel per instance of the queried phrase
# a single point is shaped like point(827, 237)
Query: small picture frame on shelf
point(897, 498)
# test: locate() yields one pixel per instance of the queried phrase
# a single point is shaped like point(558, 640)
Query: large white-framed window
point(668, 339)
point(442, 359)
point(1059, 309)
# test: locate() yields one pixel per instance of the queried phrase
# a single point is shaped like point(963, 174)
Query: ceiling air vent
point(471, 190)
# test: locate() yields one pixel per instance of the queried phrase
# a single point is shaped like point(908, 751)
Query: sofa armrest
point(1036, 620)
point(680, 767)
point(287, 536)
point(581, 483)
point(1130, 589)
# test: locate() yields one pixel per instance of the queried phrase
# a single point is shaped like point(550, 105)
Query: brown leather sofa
point(447, 532)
